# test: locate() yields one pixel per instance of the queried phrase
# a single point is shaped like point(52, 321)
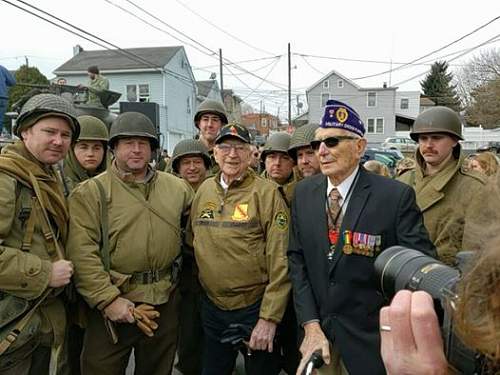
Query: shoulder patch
point(281, 220)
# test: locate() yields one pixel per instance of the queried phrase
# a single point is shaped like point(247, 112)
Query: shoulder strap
point(49, 233)
point(149, 206)
point(104, 226)
point(21, 324)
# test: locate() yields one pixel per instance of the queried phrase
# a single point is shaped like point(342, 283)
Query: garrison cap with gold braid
point(340, 116)
point(233, 130)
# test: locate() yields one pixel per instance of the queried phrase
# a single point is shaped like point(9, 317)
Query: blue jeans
point(218, 358)
point(3, 108)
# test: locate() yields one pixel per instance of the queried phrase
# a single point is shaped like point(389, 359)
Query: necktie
point(335, 214)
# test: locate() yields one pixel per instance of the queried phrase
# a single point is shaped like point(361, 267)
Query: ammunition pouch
point(12, 310)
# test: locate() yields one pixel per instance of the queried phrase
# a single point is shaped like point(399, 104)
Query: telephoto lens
point(400, 268)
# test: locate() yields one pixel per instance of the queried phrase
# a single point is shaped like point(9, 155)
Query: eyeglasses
point(330, 142)
point(226, 148)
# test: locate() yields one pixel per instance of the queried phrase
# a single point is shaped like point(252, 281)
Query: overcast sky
point(328, 32)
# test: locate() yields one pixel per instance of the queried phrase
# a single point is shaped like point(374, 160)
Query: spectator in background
point(404, 165)
point(485, 163)
point(6, 80)
point(377, 167)
point(255, 159)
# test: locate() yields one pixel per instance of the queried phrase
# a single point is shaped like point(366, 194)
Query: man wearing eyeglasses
point(341, 220)
point(240, 234)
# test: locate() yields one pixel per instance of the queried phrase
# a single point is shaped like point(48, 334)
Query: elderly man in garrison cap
point(342, 219)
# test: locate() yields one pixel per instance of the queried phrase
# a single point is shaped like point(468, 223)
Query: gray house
point(159, 75)
point(376, 105)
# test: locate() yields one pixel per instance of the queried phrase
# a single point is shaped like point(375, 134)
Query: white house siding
point(413, 103)
point(357, 98)
point(179, 122)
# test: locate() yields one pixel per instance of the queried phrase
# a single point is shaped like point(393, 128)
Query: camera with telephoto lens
point(400, 268)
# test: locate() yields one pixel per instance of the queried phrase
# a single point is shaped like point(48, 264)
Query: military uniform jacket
point(450, 203)
point(139, 240)
point(26, 273)
point(342, 293)
point(240, 239)
point(288, 188)
point(97, 85)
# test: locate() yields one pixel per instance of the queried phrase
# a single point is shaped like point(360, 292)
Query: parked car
point(400, 143)
point(387, 157)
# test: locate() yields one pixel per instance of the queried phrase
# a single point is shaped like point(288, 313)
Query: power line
point(243, 61)
point(214, 54)
point(432, 52)
point(153, 26)
point(119, 50)
point(454, 58)
point(222, 30)
point(261, 82)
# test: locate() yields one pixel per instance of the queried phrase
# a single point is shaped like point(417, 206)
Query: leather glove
point(144, 315)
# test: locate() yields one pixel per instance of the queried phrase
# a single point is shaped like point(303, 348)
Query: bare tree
point(480, 70)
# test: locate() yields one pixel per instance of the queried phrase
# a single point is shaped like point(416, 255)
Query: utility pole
point(221, 75)
point(289, 87)
point(26, 59)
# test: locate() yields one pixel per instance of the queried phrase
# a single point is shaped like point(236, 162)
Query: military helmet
point(437, 120)
point(133, 124)
point(211, 106)
point(46, 105)
point(278, 142)
point(189, 147)
point(301, 137)
point(92, 129)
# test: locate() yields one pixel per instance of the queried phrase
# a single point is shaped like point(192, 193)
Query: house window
point(132, 93)
point(404, 103)
point(263, 122)
point(188, 105)
point(326, 84)
point(144, 93)
point(375, 125)
point(340, 83)
point(372, 99)
point(133, 90)
point(324, 99)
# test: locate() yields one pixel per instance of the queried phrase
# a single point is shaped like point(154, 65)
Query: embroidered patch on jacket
point(240, 212)
point(208, 211)
point(281, 220)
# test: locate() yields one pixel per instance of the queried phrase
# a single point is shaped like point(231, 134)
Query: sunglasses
point(330, 142)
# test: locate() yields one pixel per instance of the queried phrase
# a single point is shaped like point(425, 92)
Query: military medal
point(347, 249)
point(333, 236)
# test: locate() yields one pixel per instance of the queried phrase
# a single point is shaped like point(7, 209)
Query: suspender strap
point(30, 228)
point(18, 328)
point(51, 239)
point(104, 226)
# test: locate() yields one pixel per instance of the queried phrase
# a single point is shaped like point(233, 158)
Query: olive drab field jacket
point(450, 202)
point(25, 257)
point(144, 226)
point(240, 238)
